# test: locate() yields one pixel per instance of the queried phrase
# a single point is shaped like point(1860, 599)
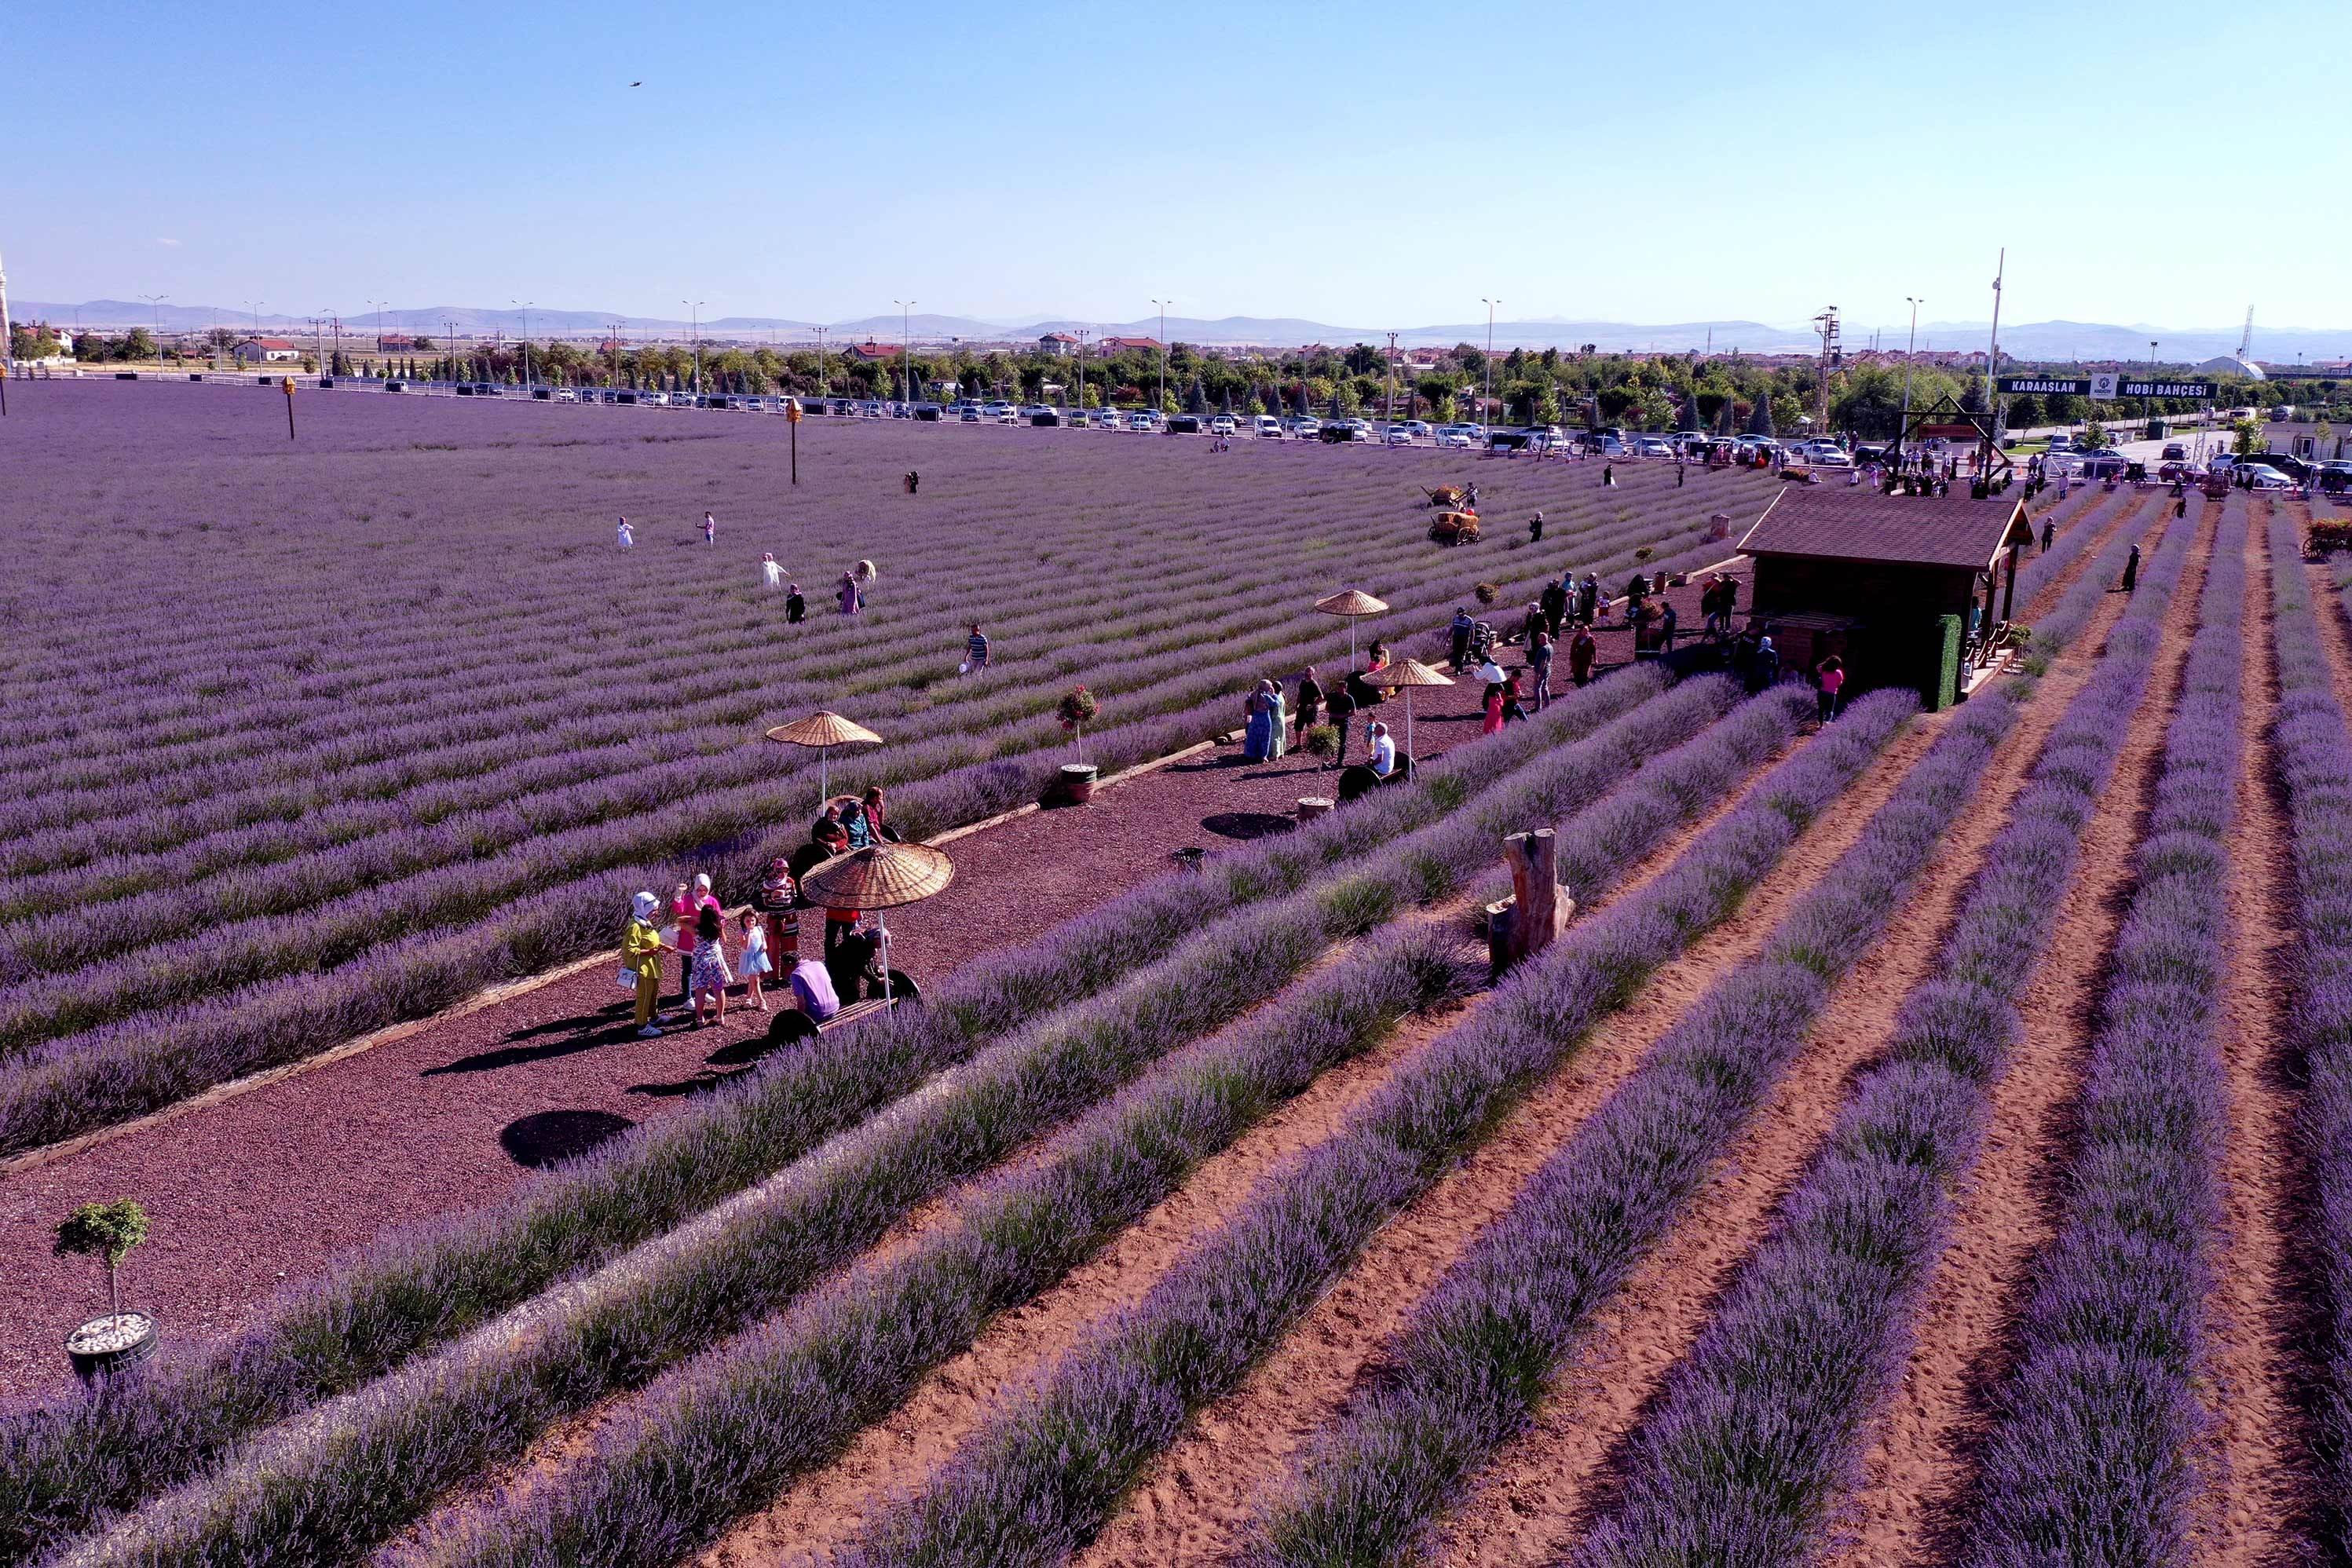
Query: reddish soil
point(1920, 1464)
point(2252, 1485)
point(1197, 1501)
point(254, 1191)
point(823, 1511)
point(1530, 1504)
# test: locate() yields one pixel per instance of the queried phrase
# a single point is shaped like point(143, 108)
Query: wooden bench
point(792, 1026)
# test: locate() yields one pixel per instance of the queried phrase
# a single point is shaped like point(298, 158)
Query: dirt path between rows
point(2254, 1448)
point(254, 1192)
point(1540, 1493)
point(825, 1510)
point(1920, 1459)
point(1196, 1503)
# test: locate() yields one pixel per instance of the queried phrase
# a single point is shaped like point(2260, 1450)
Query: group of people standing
point(1270, 720)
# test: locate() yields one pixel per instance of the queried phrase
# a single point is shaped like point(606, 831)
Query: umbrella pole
point(882, 952)
point(823, 789)
point(1408, 724)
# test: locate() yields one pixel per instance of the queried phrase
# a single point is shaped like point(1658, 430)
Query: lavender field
point(355, 724)
point(1900, 1158)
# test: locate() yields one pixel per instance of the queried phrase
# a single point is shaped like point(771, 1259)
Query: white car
point(1143, 422)
point(1304, 429)
point(1417, 427)
point(2262, 476)
point(1653, 446)
point(1267, 427)
point(1222, 425)
point(565, 394)
point(1397, 435)
point(1456, 435)
point(1829, 460)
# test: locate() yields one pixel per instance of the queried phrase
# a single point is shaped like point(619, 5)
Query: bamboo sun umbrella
point(879, 877)
point(1409, 674)
point(824, 730)
point(1352, 603)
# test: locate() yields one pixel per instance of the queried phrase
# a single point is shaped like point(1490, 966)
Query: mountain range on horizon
point(2036, 341)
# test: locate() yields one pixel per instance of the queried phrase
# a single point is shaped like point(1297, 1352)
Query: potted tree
point(120, 1339)
point(1078, 706)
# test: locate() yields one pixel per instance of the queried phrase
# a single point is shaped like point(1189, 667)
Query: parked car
point(1267, 427)
point(1222, 425)
point(1397, 435)
point(2174, 452)
point(1044, 418)
point(1143, 421)
point(1455, 435)
point(1653, 447)
point(1830, 460)
point(1304, 429)
point(1184, 424)
point(2262, 476)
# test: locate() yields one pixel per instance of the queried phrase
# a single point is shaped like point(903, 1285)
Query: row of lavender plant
point(2314, 746)
point(1469, 1368)
point(2078, 522)
point(1760, 1428)
point(417, 1289)
point(1039, 1479)
point(320, 910)
point(2089, 1460)
point(2080, 603)
point(336, 1483)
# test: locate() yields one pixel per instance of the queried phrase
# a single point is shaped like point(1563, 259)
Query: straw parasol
point(1351, 602)
point(1409, 674)
point(824, 731)
point(879, 877)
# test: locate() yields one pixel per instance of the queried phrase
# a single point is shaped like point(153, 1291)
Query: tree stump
point(1539, 908)
point(1313, 805)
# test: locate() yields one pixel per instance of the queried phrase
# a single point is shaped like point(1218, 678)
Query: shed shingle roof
point(1858, 522)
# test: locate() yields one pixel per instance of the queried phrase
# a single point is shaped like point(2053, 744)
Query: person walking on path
point(1764, 669)
point(1829, 679)
point(1588, 610)
point(1310, 700)
point(1667, 619)
point(975, 651)
point(709, 529)
point(1342, 705)
point(1553, 602)
point(1539, 669)
point(627, 534)
point(641, 951)
point(1581, 651)
point(1460, 632)
point(852, 601)
point(1533, 624)
point(709, 976)
point(1513, 708)
point(2131, 569)
point(2049, 534)
point(795, 606)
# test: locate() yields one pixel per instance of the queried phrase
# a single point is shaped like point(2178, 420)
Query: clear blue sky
point(1364, 165)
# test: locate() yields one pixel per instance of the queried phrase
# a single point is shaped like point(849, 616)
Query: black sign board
point(2044, 386)
point(2166, 389)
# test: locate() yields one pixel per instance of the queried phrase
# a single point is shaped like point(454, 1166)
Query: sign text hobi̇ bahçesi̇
point(2103, 387)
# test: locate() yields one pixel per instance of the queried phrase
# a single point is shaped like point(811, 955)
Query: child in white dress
point(756, 962)
point(772, 576)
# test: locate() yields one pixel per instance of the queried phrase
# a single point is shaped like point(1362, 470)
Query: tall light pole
point(1161, 406)
point(823, 380)
point(696, 306)
point(255, 306)
point(1902, 424)
point(525, 306)
point(8, 330)
point(156, 303)
point(1389, 417)
point(907, 350)
point(1486, 398)
point(1081, 403)
point(377, 306)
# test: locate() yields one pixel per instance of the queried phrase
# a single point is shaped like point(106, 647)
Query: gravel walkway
point(259, 1190)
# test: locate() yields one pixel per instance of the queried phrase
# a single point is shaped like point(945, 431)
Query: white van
point(1268, 426)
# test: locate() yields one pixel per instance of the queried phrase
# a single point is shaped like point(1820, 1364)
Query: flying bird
point(637, 84)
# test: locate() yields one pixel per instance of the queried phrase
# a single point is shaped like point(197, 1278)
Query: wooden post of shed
point(2009, 590)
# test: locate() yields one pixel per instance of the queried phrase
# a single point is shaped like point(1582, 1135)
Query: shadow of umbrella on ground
point(550, 1137)
point(1248, 825)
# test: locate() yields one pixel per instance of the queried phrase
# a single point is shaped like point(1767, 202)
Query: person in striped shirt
point(975, 651)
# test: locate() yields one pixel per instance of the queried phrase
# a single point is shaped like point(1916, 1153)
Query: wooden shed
point(1893, 583)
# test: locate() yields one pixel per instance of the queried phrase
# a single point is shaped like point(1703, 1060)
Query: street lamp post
point(1390, 399)
point(823, 382)
point(525, 306)
point(907, 350)
point(1081, 403)
point(156, 303)
point(1161, 406)
point(1903, 423)
point(1486, 398)
point(697, 305)
point(377, 305)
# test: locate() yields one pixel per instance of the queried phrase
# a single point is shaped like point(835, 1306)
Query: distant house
point(266, 352)
point(871, 352)
point(398, 344)
point(1121, 345)
point(1058, 343)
